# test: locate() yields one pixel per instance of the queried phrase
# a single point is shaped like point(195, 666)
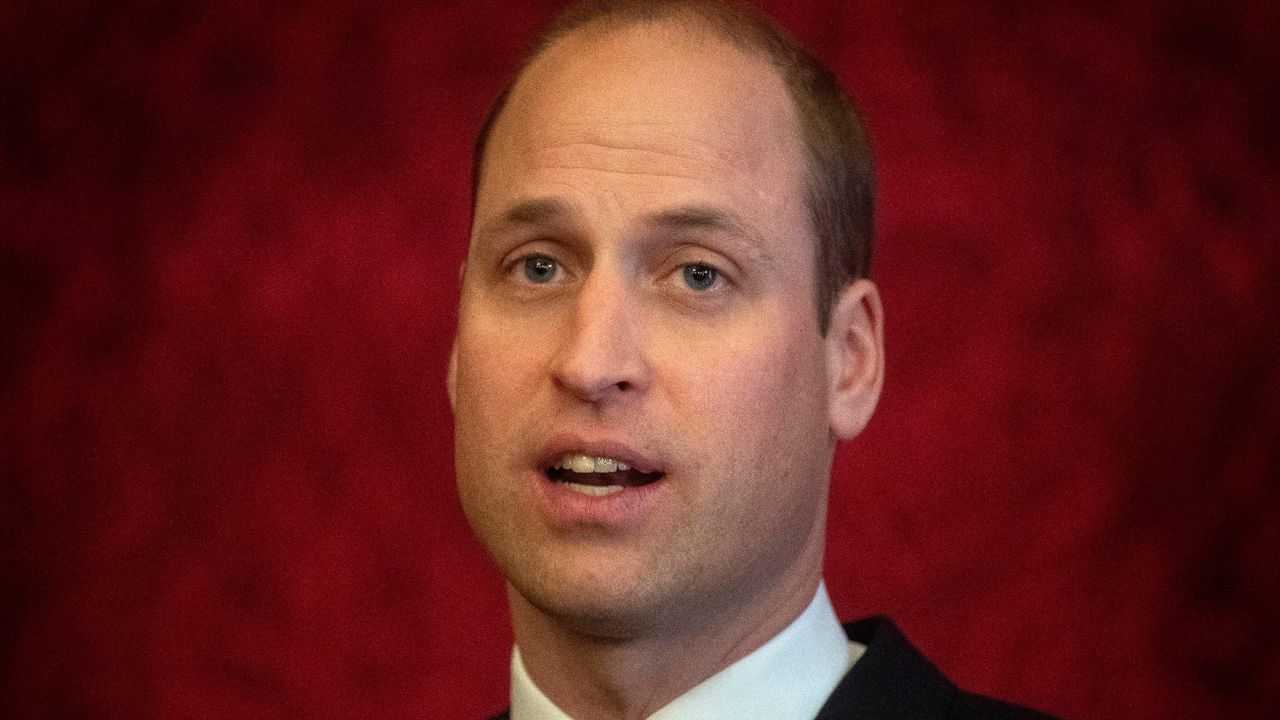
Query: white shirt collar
point(788, 677)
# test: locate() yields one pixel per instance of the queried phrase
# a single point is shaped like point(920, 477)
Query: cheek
point(760, 436)
point(487, 431)
point(760, 386)
point(495, 365)
point(755, 414)
point(495, 390)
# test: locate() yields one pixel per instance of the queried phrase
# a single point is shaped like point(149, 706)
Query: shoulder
point(893, 681)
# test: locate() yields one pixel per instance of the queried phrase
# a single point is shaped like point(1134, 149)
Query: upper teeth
point(587, 464)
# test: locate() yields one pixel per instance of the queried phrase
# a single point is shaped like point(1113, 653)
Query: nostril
point(623, 385)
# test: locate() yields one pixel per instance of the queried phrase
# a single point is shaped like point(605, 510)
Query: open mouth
point(597, 476)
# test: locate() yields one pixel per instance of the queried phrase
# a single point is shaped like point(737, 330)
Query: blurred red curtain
point(229, 240)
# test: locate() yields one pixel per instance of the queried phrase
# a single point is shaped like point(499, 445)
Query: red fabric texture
point(229, 241)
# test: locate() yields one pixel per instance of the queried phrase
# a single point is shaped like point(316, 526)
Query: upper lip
point(562, 445)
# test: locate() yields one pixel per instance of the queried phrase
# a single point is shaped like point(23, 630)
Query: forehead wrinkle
point(623, 171)
point(642, 134)
point(632, 158)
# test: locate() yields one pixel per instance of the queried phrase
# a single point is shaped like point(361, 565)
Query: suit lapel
point(892, 680)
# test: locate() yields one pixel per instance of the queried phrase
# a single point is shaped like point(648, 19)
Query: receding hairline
point(742, 28)
point(701, 20)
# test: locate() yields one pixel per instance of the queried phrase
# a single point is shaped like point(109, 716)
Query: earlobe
point(855, 357)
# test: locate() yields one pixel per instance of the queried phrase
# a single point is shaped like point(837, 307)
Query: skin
point(628, 155)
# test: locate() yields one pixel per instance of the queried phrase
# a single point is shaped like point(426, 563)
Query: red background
point(230, 237)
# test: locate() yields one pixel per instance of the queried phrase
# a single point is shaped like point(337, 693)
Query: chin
point(602, 603)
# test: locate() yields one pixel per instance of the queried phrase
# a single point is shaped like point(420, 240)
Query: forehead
point(655, 100)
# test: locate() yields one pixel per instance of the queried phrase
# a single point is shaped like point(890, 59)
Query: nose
point(601, 359)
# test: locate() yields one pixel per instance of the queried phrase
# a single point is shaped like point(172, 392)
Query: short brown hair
point(841, 181)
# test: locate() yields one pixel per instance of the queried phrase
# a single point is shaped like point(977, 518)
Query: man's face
point(639, 288)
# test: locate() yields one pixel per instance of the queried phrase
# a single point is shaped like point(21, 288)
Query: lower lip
point(625, 508)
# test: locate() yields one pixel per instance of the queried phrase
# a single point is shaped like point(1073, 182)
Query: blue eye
point(539, 269)
point(700, 277)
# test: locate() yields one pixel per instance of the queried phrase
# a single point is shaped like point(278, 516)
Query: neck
point(607, 678)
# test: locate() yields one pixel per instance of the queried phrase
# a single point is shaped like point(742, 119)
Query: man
point(665, 327)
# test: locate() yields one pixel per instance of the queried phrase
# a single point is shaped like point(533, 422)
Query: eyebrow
point(544, 211)
point(535, 212)
point(707, 217)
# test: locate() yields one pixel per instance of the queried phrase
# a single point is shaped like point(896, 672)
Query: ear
point(855, 357)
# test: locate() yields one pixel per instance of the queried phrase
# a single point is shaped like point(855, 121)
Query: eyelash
point(514, 269)
point(719, 280)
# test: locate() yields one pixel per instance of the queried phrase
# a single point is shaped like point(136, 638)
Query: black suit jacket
point(893, 681)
